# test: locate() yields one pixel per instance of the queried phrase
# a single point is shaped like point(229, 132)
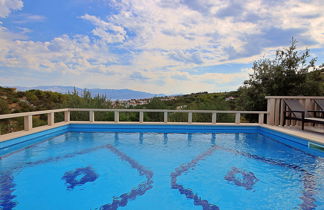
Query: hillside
point(13, 101)
point(194, 101)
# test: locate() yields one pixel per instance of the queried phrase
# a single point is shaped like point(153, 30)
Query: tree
point(4, 108)
point(289, 73)
point(155, 103)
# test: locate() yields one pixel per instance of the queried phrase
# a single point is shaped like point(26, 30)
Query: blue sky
point(158, 46)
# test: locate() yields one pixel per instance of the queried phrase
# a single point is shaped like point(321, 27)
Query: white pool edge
point(316, 138)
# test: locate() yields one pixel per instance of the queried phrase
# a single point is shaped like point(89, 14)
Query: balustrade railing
point(28, 116)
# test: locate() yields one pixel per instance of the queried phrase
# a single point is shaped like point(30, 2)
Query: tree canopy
point(290, 73)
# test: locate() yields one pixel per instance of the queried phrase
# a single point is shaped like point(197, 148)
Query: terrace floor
point(315, 134)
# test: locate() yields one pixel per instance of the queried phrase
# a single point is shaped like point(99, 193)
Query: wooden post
point(189, 117)
point(50, 119)
point(237, 118)
point(214, 116)
point(271, 111)
point(28, 122)
point(91, 116)
point(67, 116)
point(141, 117)
point(277, 112)
point(308, 106)
point(282, 109)
point(165, 117)
point(116, 116)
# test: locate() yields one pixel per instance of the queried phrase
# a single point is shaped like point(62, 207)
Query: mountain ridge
point(113, 94)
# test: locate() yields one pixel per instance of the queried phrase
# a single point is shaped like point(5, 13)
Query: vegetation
point(290, 72)
point(12, 101)
point(194, 101)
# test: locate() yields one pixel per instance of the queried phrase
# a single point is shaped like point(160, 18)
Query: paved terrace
point(30, 129)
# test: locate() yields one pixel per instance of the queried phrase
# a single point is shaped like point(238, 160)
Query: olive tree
point(289, 73)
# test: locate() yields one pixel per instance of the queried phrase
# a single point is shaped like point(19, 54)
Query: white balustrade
point(28, 116)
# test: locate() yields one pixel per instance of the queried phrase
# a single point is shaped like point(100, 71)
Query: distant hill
point(113, 94)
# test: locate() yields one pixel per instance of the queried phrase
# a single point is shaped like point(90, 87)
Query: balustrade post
point(67, 116)
point(261, 118)
point(91, 116)
point(214, 116)
point(116, 116)
point(237, 118)
point(189, 117)
point(50, 119)
point(141, 117)
point(28, 122)
point(165, 117)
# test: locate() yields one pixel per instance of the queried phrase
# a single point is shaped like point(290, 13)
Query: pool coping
point(316, 138)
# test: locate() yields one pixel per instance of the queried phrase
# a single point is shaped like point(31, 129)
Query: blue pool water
point(139, 168)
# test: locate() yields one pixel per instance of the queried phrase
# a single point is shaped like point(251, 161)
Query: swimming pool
point(160, 167)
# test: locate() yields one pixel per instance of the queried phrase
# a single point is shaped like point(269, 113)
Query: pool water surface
point(148, 170)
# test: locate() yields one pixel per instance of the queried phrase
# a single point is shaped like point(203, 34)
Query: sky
point(157, 46)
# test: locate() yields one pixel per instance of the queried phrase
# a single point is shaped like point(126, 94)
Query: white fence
point(28, 116)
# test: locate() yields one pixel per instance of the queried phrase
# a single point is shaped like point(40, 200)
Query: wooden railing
point(28, 120)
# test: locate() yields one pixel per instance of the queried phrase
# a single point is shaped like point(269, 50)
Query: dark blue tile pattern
point(72, 178)
point(6, 188)
point(139, 190)
point(198, 201)
point(308, 179)
point(7, 185)
point(247, 181)
point(308, 192)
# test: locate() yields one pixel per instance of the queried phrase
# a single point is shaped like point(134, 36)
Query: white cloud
point(62, 54)
point(6, 6)
point(168, 28)
point(29, 18)
point(160, 40)
point(108, 32)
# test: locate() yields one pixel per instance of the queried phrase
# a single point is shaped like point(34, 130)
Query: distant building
point(167, 98)
point(136, 102)
point(229, 98)
point(181, 107)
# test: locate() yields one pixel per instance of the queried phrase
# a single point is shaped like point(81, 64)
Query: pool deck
point(314, 136)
